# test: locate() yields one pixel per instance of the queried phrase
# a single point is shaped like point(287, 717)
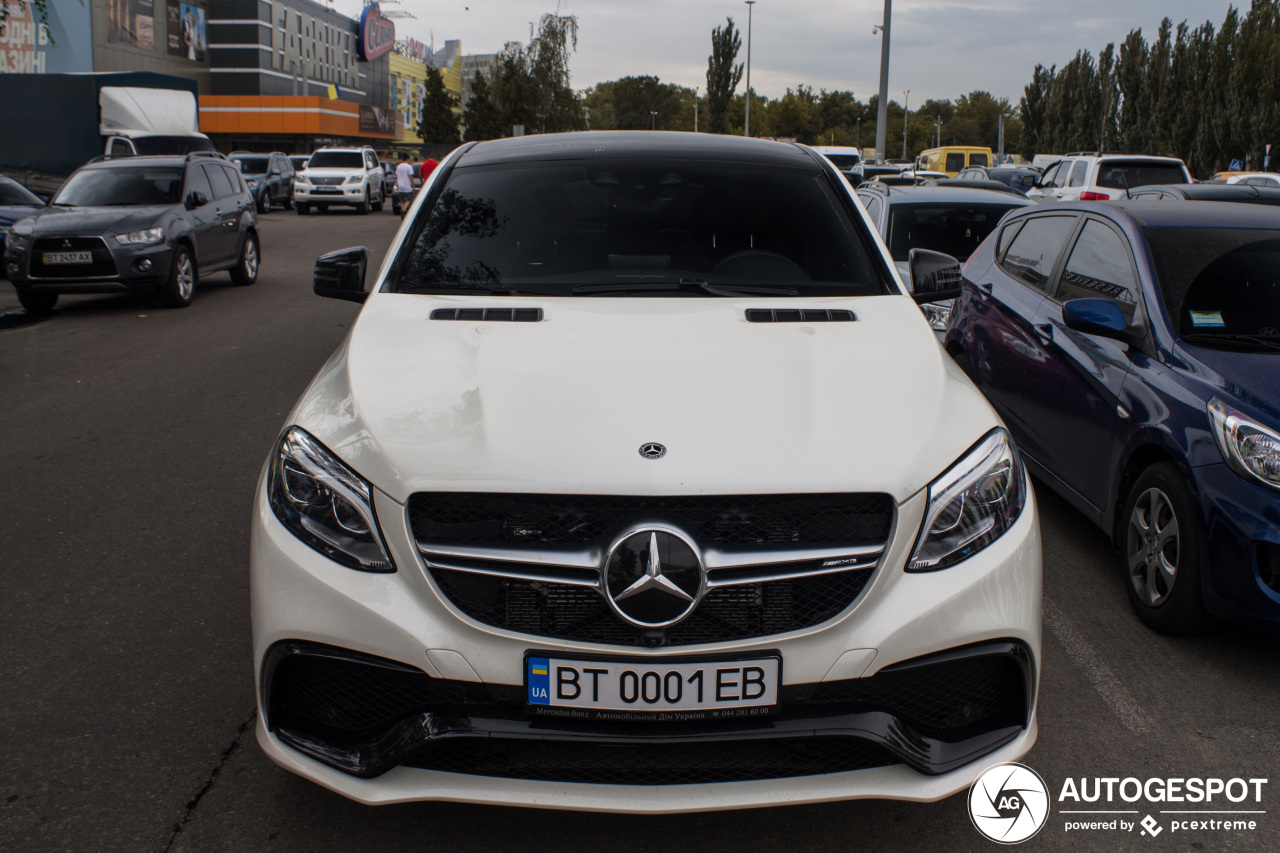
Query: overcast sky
point(940, 48)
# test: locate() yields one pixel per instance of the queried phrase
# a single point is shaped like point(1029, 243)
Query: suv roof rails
point(217, 154)
point(1118, 154)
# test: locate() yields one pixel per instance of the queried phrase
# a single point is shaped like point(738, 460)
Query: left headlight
point(141, 238)
point(937, 313)
point(975, 501)
point(325, 504)
point(355, 179)
point(1251, 449)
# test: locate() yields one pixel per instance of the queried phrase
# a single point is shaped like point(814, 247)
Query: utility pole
point(746, 126)
point(883, 113)
point(906, 111)
point(695, 109)
point(937, 120)
point(1001, 160)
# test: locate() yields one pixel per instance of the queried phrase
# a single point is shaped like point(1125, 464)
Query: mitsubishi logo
point(653, 576)
point(66, 244)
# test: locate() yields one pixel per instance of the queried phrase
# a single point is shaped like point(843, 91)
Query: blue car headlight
point(971, 504)
point(1250, 448)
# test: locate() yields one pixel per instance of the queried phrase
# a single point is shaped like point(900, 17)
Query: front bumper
point(115, 268)
point(1241, 562)
point(301, 598)
point(342, 194)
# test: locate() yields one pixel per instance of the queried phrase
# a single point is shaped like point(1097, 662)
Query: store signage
point(414, 49)
point(377, 34)
point(374, 120)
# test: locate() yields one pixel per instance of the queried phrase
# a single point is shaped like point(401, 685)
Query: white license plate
point(638, 686)
point(68, 257)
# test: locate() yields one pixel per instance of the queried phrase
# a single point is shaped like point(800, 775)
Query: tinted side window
point(1006, 236)
point(955, 161)
point(1046, 180)
point(197, 182)
point(1034, 252)
point(1099, 266)
point(1064, 171)
point(978, 160)
point(1077, 174)
point(222, 186)
point(237, 182)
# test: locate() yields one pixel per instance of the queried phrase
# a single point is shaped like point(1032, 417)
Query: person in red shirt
point(428, 166)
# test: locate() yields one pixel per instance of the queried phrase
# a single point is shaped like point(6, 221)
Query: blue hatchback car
point(1133, 350)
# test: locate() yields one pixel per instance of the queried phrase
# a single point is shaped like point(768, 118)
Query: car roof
point(147, 160)
point(1217, 192)
point(629, 145)
point(1162, 214)
point(955, 195)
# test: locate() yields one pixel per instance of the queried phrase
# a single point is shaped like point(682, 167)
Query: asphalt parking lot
point(133, 437)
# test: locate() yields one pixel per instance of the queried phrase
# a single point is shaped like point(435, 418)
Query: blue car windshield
point(1219, 281)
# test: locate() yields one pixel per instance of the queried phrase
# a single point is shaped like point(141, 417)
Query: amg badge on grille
point(653, 450)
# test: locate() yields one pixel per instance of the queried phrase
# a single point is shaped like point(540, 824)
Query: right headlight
point(975, 501)
point(1251, 449)
point(325, 504)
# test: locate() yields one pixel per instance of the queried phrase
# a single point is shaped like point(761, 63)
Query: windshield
point(1219, 281)
point(1117, 174)
point(252, 165)
point(844, 162)
point(12, 192)
point(605, 226)
point(118, 186)
point(336, 160)
point(168, 146)
point(953, 229)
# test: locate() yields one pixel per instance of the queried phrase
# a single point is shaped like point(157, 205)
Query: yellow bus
point(953, 159)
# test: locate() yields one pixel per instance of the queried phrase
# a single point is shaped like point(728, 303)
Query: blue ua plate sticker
point(539, 682)
point(1207, 319)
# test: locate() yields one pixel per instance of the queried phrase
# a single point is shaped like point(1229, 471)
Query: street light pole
point(883, 113)
point(906, 111)
point(695, 109)
point(746, 127)
point(653, 119)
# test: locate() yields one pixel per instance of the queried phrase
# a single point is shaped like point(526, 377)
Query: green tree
point(795, 116)
point(480, 117)
point(530, 84)
point(723, 76)
point(1033, 110)
point(439, 125)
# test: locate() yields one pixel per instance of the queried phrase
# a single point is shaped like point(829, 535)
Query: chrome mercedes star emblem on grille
point(653, 577)
point(653, 450)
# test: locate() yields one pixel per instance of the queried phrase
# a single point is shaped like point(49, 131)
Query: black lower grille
point(652, 764)
point(101, 265)
point(567, 612)
point(365, 715)
point(482, 518)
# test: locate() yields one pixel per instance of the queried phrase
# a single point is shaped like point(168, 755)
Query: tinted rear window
point(1115, 174)
point(336, 160)
point(669, 226)
point(955, 162)
point(954, 229)
point(978, 160)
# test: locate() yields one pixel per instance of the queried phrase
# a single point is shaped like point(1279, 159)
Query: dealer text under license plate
point(641, 686)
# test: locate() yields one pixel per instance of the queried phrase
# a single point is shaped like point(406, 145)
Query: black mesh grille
point(652, 764)
point(471, 518)
point(101, 266)
point(328, 182)
point(579, 613)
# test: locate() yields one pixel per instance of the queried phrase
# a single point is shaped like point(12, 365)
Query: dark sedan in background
point(1020, 178)
point(16, 201)
point(1208, 192)
point(152, 224)
point(269, 177)
point(1133, 349)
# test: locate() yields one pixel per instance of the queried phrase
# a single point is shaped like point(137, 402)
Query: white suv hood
point(563, 405)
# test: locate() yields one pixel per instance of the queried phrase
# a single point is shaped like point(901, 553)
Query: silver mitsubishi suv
point(346, 176)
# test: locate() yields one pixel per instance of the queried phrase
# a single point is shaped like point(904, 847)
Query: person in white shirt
point(404, 186)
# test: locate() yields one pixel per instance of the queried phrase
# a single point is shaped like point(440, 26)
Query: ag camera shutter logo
point(1009, 803)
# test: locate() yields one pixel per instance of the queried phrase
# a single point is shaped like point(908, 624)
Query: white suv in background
point(340, 176)
point(1090, 176)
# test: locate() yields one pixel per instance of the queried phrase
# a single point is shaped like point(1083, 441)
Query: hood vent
point(796, 315)
point(495, 315)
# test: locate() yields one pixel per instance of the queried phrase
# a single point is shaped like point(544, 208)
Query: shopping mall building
point(273, 75)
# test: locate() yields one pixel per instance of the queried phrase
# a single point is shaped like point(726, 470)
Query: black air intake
point(495, 315)
point(795, 315)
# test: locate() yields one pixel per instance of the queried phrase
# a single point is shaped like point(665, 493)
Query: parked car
point(298, 161)
point(976, 184)
point(865, 171)
point(1020, 178)
point(952, 159)
point(340, 176)
point(388, 177)
point(951, 220)
point(269, 177)
point(1101, 177)
point(508, 546)
point(843, 157)
point(16, 201)
point(1248, 194)
point(1255, 179)
point(143, 224)
point(1134, 357)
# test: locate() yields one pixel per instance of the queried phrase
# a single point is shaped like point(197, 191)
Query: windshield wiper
point(715, 289)
point(1231, 339)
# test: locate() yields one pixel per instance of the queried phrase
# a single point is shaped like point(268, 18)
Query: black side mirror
point(340, 275)
point(934, 276)
point(195, 199)
point(1101, 317)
